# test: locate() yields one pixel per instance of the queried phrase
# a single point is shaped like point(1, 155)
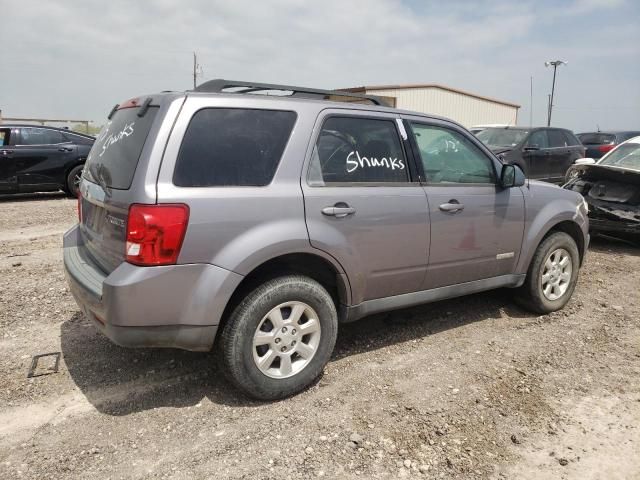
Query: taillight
point(155, 233)
point(606, 148)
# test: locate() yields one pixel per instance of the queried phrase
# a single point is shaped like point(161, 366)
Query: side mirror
point(511, 176)
point(532, 147)
point(584, 161)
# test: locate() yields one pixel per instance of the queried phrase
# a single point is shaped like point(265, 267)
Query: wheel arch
point(566, 225)
point(326, 272)
point(572, 229)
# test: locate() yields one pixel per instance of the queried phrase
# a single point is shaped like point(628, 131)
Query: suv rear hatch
point(597, 144)
point(107, 191)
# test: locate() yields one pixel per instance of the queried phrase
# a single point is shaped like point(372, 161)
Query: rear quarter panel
point(239, 228)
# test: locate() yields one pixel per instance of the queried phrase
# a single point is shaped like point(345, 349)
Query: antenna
point(531, 105)
point(197, 69)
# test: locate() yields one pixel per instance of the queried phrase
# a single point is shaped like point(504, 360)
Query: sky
point(77, 58)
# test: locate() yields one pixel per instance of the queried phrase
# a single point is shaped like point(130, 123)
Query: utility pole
point(555, 64)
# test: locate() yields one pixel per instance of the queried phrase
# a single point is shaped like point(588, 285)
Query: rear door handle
point(452, 207)
point(65, 149)
point(7, 152)
point(339, 210)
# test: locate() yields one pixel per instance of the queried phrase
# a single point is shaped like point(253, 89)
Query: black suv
point(543, 153)
point(599, 143)
point(41, 159)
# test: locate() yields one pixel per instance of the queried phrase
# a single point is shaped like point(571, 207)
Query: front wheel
point(552, 275)
point(279, 338)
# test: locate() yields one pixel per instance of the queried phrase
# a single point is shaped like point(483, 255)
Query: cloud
point(78, 58)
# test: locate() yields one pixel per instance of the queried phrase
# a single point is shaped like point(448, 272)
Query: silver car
point(261, 222)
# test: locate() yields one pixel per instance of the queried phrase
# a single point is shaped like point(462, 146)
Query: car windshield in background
point(625, 156)
point(502, 137)
point(114, 156)
point(596, 138)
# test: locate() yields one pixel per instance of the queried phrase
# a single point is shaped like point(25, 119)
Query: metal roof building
point(464, 107)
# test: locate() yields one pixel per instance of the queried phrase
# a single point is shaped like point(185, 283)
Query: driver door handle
point(339, 210)
point(452, 207)
point(7, 152)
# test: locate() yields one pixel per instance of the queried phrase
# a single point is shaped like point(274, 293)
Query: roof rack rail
point(220, 85)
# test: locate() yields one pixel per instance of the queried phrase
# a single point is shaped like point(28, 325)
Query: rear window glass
point(232, 147)
point(502, 137)
point(114, 156)
point(596, 138)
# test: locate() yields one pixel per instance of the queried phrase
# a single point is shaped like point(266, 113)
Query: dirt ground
point(467, 388)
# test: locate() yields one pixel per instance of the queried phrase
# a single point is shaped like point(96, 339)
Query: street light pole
point(555, 64)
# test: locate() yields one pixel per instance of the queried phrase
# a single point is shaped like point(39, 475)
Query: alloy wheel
point(286, 340)
point(556, 274)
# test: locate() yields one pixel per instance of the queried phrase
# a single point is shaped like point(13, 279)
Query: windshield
point(626, 156)
point(502, 137)
point(114, 156)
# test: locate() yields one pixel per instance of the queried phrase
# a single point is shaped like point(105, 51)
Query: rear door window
point(40, 136)
point(232, 147)
point(5, 135)
point(571, 138)
point(353, 150)
point(556, 139)
point(114, 156)
point(538, 139)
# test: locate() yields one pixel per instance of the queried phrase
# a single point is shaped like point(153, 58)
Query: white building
point(464, 107)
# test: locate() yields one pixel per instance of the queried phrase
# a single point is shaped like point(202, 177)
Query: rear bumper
point(177, 306)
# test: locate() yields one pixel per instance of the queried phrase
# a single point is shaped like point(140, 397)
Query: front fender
point(543, 214)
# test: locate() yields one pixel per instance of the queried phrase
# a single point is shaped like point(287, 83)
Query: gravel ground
point(467, 388)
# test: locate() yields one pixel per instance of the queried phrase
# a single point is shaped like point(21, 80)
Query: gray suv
point(259, 223)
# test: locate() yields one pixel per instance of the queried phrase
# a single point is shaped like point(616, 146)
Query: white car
point(630, 159)
point(611, 189)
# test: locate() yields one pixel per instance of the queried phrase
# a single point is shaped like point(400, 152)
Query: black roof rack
point(220, 85)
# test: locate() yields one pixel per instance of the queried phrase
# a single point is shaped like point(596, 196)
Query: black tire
point(237, 336)
point(531, 294)
point(72, 187)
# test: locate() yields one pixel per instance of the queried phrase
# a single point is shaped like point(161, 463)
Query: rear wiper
point(144, 107)
point(113, 110)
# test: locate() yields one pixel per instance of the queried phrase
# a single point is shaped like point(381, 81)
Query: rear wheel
point(279, 338)
point(73, 181)
point(552, 275)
